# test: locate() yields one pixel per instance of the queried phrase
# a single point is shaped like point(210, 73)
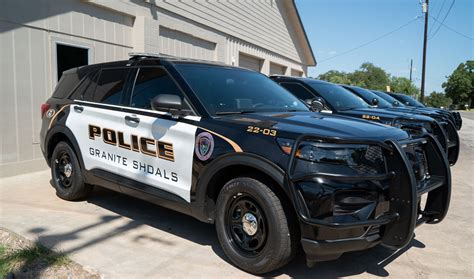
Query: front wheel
point(252, 226)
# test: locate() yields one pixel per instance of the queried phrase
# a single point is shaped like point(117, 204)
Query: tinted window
point(233, 90)
point(65, 85)
point(368, 96)
point(110, 86)
point(338, 97)
point(298, 90)
point(86, 85)
point(389, 99)
point(149, 83)
point(407, 100)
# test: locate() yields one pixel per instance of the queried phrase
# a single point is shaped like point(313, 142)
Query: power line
point(453, 30)
point(439, 12)
point(372, 41)
point(444, 18)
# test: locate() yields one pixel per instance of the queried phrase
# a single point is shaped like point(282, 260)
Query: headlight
point(329, 153)
point(409, 126)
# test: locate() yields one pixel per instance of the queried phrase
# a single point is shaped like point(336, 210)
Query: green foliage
point(371, 77)
point(460, 84)
point(403, 85)
point(437, 100)
point(335, 77)
point(10, 260)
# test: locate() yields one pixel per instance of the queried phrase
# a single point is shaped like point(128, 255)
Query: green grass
point(27, 256)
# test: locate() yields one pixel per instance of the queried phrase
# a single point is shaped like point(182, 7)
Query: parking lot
point(120, 236)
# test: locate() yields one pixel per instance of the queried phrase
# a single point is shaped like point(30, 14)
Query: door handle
point(132, 118)
point(78, 108)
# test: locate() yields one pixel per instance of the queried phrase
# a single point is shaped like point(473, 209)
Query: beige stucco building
point(39, 39)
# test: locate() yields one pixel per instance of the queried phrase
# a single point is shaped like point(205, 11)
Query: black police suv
point(445, 120)
point(229, 146)
point(453, 116)
point(337, 100)
point(412, 103)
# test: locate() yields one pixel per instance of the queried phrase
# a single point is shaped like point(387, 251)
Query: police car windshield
point(409, 101)
point(368, 96)
point(338, 97)
point(390, 99)
point(226, 90)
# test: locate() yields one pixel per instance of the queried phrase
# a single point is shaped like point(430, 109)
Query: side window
point(298, 90)
point(86, 87)
point(149, 83)
point(110, 86)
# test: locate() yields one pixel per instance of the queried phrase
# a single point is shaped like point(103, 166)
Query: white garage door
point(276, 69)
point(250, 62)
point(296, 73)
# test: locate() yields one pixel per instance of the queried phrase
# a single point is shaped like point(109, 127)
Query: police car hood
point(327, 125)
point(431, 112)
point(384, 114)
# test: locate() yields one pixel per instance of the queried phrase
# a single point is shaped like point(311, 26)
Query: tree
point(335, 77)
point(437, 100)
point(460, 84)
point(403, 85)
point(370, 76)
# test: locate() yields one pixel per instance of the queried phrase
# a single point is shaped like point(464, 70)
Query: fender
point(200, 209)
point(64, 130)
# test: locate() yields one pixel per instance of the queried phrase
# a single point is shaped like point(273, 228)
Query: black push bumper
point(405, 180)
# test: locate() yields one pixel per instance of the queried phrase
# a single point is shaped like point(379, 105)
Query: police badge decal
point(204, 146)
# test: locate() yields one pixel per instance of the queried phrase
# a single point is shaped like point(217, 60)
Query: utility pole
point(423, 70)
point(411, 68)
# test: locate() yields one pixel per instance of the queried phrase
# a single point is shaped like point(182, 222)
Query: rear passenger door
point(93, 119)
point(158, 148)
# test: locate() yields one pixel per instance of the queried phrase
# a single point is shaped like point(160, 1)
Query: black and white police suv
point(229, 146)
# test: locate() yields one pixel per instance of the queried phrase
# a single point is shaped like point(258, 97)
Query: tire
point(268, 245)
point(66, 174)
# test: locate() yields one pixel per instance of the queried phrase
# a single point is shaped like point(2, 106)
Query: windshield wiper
point(235, 112)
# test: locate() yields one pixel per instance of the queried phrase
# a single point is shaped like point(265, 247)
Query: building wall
point(29, 32)
point(210, 30)
point(260, 22)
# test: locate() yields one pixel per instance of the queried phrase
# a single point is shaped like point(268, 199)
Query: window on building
point(68, 57)
point(149, 83)
point(110, 86)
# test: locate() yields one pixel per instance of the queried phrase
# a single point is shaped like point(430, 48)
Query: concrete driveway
point(124, 237)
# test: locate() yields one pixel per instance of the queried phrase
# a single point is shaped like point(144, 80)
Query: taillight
point(44, 109)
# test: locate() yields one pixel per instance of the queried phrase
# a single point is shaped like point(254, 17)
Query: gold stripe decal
point(231, 142)
point(55, 115)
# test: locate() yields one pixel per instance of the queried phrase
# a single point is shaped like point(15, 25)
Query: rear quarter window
point(85, 90)
point(65, 85)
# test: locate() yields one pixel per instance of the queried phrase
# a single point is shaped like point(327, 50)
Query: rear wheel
point(67, 175)
point(252, 226)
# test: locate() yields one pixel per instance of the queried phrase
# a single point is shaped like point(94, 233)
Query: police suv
point(231, 147)
point(338, 99)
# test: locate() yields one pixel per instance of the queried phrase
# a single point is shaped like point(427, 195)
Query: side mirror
point(317, 104)
point(168, 103)
point(396, 103)
point(375, 101)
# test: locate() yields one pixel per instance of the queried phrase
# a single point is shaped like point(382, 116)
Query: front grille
point(417, 157)
point(373, 162)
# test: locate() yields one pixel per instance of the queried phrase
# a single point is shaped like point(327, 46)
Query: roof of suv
point(276, 77)
point(139, 59)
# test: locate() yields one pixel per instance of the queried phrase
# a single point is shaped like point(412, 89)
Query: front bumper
point(453, 142)
point(397, 208)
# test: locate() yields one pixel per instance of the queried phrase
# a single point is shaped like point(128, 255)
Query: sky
point(336, 26)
